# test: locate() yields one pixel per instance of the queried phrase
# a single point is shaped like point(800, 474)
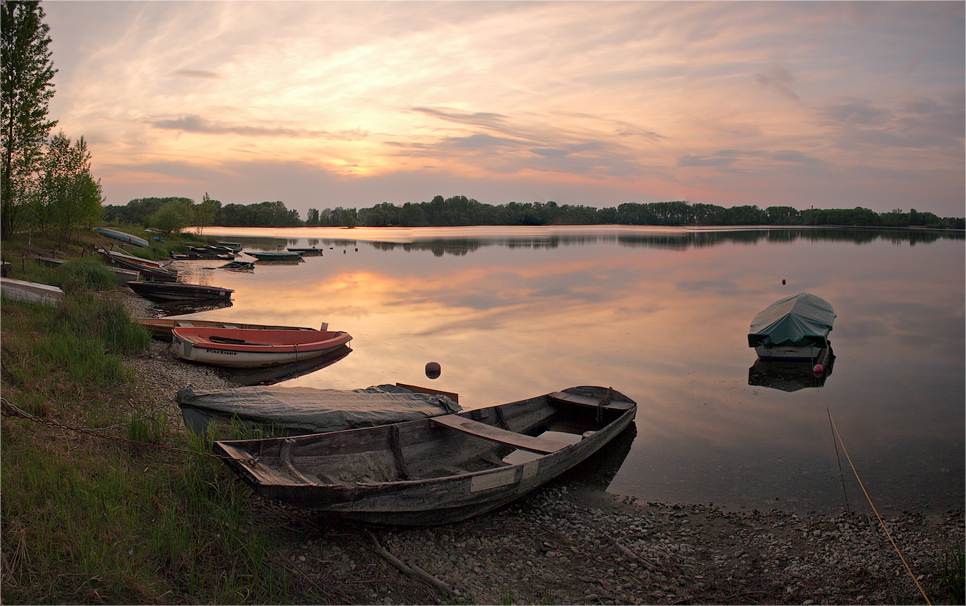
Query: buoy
point(433, 370)
point(817, 369)
point(783, 282)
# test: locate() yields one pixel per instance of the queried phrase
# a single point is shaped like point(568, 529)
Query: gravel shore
point(570, 544)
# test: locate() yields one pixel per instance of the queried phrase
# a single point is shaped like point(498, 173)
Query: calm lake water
point(661, 315)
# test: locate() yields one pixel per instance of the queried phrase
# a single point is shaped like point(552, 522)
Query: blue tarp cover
point(799, 320)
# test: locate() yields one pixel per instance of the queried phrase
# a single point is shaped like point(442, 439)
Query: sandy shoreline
point(566, 544)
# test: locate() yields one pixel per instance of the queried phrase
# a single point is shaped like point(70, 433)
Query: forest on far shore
point(175, 213)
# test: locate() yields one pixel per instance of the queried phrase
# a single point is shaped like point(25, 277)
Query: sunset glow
point(324, 104)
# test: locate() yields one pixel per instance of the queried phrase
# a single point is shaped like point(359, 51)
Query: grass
point(951, 575)
point(127, 512)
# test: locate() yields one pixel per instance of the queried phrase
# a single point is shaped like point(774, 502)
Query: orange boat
point(248, 348)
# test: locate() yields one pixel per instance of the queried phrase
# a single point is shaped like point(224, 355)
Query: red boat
point(240, 348)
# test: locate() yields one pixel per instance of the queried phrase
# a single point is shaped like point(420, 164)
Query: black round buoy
point(433, 370)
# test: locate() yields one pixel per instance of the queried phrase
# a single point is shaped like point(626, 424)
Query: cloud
point(200, 125)
point(199, 74)
point(778, 78)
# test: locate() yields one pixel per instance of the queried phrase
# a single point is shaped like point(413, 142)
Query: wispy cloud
point(572, 101)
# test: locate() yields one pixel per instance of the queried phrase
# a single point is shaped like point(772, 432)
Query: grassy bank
point(126, 511)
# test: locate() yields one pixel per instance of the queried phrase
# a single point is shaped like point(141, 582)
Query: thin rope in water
point(886, 530)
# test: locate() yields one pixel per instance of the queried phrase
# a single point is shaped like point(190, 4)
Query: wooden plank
point(455, 397)
point(589, 401)
point(488, 432)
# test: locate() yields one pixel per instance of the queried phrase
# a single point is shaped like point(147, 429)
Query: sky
point(352, 104)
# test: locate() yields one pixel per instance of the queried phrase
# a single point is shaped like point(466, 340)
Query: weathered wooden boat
point(240, 347)
point(275, 256)
point(792, 328)
point(178, 291)
point(234, 246)
point(149, 271)
point(137, 261)
point(30, 292)
point(306, 252)
point(161, 327)
point(437, 470)
point(297, 411)
point(120, 235)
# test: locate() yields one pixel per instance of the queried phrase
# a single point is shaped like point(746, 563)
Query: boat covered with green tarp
point(796, 327)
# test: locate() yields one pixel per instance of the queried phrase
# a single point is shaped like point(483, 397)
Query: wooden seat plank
point(589, 401)
point(489, 432)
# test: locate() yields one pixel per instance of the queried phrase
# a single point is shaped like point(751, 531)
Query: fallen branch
point(632, 555)
point(415, 571)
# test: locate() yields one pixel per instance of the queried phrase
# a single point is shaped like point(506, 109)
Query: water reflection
point(788, 376)
point(661, 315)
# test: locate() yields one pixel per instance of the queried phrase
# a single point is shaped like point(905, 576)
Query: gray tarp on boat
point(303, 410)
point(799, 320)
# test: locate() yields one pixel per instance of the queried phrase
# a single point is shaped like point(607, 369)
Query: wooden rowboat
point(161, 327)
point(150, 270)
point(276, 257)
point(242, 348)
point(438, 470)
point(178, 291)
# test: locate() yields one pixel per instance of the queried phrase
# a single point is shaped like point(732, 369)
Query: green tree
point(67, 194)
point(172, 217)
point(26, 90)
point(205, 212)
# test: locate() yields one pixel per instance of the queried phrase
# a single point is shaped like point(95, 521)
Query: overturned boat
point(294, 411)
point(793, 328)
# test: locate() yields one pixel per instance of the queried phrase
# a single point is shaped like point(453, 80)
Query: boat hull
point(430, 472)
point(30, 292)
point(246, 348)
point(161, 327)
point(164, 292)
point(123, 237)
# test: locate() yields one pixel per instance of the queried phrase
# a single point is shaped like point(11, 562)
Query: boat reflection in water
point(790, 375)
point(270, 375)
point(599, 470)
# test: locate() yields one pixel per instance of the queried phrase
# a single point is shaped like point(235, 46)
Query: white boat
point(793, 328)
point(248, 348)
point(30, 292)
point(120, 235)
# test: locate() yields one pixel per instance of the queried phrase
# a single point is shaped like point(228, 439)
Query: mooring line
point(841, 475)
point(886, 530)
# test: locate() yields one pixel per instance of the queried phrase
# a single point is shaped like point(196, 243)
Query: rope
point(9, 410)
point(886, 530)
point(837, 458)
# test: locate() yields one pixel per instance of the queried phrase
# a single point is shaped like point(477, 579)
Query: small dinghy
point(240, 347)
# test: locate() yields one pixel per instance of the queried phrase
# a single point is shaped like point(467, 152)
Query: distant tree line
point(460, 210)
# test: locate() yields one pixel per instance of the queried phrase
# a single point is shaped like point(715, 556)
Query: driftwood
point(414, 571)
point(633, 555)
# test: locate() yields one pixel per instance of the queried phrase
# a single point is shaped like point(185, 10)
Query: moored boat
point(437, 470)
point(239, 347)
point(178, 291)
point(120, 235)
point(275, 256)
point(161, 327)
point(306, 252)
point(30, 292)
point(150, 270)
point(792, 328)
point(294, 411)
